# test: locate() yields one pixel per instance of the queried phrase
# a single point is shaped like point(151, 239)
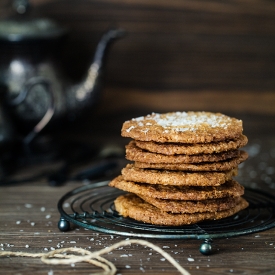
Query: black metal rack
point(91, 207)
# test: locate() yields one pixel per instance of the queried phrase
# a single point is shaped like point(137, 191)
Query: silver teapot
point(33, 87)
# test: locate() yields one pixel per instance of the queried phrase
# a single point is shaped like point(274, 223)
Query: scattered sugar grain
point(127, 266)
point(142, 269)
point(129, 129)
point(42, 209)
point(18, 222)
point(28, 205)
point(48, 216)
point(27, 246)
point(32, 223)
point(191, 259)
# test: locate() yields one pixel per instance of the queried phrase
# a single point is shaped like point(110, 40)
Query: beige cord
point(60, 256)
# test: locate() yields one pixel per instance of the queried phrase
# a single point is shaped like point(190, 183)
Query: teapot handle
point(50, 111)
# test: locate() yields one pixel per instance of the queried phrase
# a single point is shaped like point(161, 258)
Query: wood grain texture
point(187, 45)
point(121, 99)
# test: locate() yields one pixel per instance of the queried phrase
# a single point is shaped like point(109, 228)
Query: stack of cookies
point(182, 168)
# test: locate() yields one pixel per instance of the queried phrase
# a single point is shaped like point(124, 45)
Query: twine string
point(61, 256)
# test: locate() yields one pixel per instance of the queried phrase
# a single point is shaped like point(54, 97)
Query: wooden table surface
point(29, 215)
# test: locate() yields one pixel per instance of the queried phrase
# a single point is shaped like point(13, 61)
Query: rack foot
point(63, 225)
point(206, 247)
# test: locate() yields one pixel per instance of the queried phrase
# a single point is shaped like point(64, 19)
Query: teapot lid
point(22, 27)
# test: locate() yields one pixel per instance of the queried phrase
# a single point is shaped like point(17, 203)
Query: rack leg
point(206, 247)
point(63, 225)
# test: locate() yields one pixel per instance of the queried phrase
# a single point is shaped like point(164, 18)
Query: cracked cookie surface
point(181, 206)
point(130, 205)
point(166, 177)
point(135, 153)
point(208, 166)
point(184, 127)
point(192, 149)
point(229, 189)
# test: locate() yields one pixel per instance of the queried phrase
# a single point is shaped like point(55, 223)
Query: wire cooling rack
point(92, 207)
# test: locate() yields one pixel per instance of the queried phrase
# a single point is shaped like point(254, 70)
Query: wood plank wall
point(179, 45)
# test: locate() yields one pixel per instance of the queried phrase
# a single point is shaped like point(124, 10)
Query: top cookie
point(185, 127)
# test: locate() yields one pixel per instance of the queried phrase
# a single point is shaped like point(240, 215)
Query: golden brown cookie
point(229, 189)
point(134, 207)
point(192, 149)
point(181, 206)
point(184, 127)
point(135, 153)
point(208, 166)
point(166, 177)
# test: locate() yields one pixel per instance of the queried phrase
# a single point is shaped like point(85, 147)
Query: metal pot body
point(28, 61)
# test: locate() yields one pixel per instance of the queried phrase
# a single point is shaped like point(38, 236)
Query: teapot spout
point(104, 44)
point(90, 85)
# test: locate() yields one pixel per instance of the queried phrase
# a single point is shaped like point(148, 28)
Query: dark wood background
point(178, 55)
point(188, 45)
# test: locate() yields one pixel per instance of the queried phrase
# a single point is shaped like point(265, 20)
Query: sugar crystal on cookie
point(184, 121)
point(188, 127)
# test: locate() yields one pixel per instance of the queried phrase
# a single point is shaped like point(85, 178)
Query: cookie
point(192, 149)
point(132, 206)
point(208, 166)
point(230, 188)
point(184, 127)
point(181, 206)
point(135, 153)
point(165, 177)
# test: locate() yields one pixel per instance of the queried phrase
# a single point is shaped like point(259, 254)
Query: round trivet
point(92, 207)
